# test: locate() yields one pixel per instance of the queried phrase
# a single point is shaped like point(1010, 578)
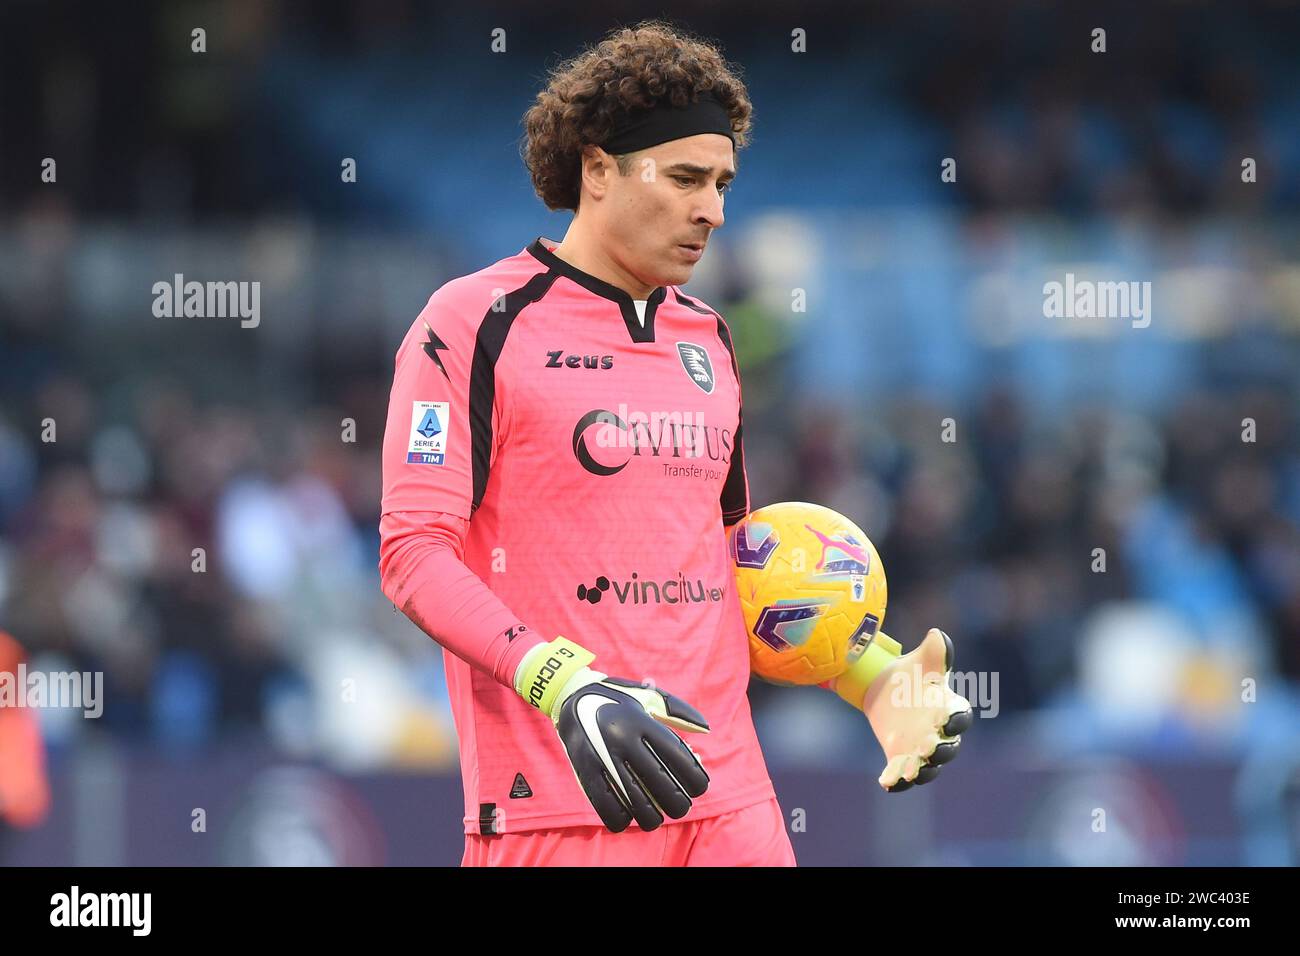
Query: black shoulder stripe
point(735, 496)
point(690, 303)
point(723, 332)
point(488, 343)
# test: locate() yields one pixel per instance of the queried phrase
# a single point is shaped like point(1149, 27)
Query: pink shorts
point(751, 836)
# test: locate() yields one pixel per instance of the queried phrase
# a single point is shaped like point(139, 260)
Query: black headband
point(663, 122)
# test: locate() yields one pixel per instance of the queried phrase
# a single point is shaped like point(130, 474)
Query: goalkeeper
point(562, 456)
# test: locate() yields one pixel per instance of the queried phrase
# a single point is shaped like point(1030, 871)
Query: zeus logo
point(516, 631)
point(432, 347)
point(557, 359)
point(664, 434)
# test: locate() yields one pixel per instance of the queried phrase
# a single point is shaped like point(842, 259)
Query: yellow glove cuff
point(853, 683)
point(547, 668)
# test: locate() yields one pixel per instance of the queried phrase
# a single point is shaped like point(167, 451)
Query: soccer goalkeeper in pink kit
point(563, 455)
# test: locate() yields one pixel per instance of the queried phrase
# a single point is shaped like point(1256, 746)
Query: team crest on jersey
point(696, 362)
point(428, 445)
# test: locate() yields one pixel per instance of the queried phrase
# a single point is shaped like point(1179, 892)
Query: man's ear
point(597, 167)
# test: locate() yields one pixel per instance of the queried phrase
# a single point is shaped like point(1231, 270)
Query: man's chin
point(678, 275)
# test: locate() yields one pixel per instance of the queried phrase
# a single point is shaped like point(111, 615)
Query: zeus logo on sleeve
point(428, 444)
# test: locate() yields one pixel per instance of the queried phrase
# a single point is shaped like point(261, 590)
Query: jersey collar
point(600, 287)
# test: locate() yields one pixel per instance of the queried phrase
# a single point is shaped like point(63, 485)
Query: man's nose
point(710, 210)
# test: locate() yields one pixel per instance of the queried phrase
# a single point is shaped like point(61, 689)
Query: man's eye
point(724, 187)
point(684, 180)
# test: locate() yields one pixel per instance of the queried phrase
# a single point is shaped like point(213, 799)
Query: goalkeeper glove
point(630, 765)
point(916, 717)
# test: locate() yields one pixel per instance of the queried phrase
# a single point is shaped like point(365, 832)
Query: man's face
point(659, 216)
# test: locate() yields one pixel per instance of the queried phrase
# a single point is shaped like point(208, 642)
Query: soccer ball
point(812, 589)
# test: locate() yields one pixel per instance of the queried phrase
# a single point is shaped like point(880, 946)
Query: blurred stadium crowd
point(230, 441)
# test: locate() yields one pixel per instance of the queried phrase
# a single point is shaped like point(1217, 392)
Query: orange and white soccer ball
point(812, 589)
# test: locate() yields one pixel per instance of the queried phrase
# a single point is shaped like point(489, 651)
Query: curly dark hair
point(632, 69)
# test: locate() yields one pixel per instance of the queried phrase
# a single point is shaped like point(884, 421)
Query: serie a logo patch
point(428, 444)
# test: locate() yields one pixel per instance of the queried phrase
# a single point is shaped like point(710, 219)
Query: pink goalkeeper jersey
point(598, 460)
